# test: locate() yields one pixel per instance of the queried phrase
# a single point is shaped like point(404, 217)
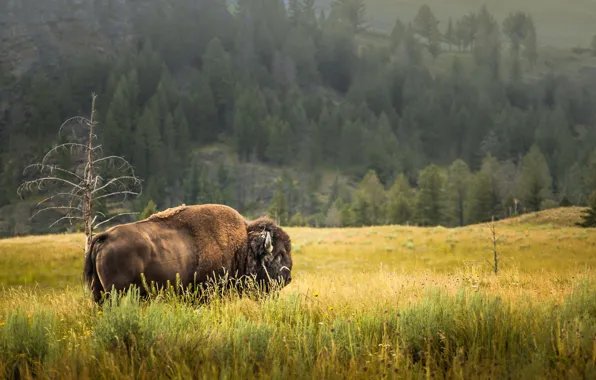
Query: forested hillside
point(301, 114)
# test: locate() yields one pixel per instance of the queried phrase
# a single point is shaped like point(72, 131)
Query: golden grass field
point(391, 301)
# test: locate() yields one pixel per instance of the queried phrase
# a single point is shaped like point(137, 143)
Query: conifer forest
point(307, 113)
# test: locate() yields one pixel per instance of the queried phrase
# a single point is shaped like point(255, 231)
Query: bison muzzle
point(197, 243)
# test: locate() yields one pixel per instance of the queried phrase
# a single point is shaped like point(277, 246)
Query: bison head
point(270, 248)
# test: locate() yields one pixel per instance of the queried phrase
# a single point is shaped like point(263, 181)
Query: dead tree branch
point(85, 184)
point(495, 263)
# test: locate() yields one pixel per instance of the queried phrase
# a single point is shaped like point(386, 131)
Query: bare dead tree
point(76, 191)
point(494, 238)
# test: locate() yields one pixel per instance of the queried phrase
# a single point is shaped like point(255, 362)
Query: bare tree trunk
point(495, 252)
point(87, 195)
point(83, 184)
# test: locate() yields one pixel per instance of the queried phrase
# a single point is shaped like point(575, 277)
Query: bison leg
point(120, 271)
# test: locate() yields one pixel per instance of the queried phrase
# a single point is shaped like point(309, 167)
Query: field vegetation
point(389, 301)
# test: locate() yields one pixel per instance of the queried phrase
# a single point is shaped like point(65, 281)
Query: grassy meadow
point(391, 301)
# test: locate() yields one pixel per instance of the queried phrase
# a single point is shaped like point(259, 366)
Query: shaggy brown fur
point(276, 266)
point(197, 242)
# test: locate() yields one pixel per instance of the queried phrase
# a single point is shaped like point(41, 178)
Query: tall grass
point(382, 302)
point(410, 326)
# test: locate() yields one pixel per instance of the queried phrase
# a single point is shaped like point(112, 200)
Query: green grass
point(393, 301)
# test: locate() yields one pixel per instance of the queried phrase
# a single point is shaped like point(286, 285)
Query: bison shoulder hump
point(168, 213)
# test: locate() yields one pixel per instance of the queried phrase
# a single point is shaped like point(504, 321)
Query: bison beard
point(197, 243)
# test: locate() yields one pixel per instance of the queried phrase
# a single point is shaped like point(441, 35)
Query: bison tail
point(90, 270)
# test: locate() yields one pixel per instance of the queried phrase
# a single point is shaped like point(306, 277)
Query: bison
point(198, 243)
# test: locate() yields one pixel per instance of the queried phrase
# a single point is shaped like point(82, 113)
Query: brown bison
point(198, 243)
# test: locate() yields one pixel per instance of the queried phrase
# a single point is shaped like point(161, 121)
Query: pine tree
point(148, 150)
point(202, 110)
point(40, 103)
point(530, 42)
point(172, 154)
point(348, 216)
point(149, 210)
point(458, 185)
point(397, 34)
point(400, 208)
point(535, 180)
point(149, 66)
point(278, 209)
point(249, 134)
point(427, 25)
point(351, 144)
point(369, 201)
point(217, 68)
point(280, 140)
point(450, 34)
point(487, 49)
point(118, 131)
point(182, 133)
point(431, 199)
point(484, 195)
point(589, 215)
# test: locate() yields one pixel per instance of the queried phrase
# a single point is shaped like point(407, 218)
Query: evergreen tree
point(450, 36)
point(466, 30)
point(369, 201)
point(426, 24)
point(250, 136)
point(347, 216)
point(149, 66)
point(431, 198)
point(397, 33)
point(400, 207)
point(149, 210)
point(218, 70)
point(41, 104)
point(485, 199)
point(381, 146)
point(530, 42)
point(487, 49)
point(458, 184)
point(148, 149)
point(182, 131)
point(117, 135)
point(589, 215)
point(202, 110)
point(226, 184)
point(278, 210)
point(535, 181)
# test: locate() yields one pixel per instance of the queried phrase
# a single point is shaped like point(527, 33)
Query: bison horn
point(268, 244)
